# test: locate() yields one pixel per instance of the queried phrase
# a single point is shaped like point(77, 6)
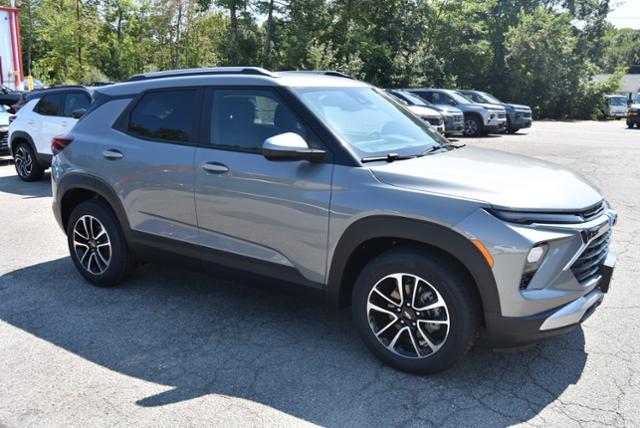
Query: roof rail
point(201, 71)
point(322, 72)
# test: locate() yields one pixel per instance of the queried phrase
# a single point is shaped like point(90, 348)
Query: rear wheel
point(472, 126)
point(97, 245)
point(26, 163)
point(414, 310)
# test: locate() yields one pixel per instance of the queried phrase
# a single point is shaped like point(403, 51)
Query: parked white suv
point(46, 114)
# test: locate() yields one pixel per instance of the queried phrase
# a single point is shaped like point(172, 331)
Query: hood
point(492, 107)
point(635, 106)
point(424, 111)
point(500, 179)
point(518, 107)
point(447, 110)
point(4, 119)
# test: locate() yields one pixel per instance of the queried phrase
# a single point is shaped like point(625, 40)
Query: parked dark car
point(518, 116)
point(479, 119)
point(633, 116)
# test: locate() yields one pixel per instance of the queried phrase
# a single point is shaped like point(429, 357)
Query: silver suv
point(322, 181)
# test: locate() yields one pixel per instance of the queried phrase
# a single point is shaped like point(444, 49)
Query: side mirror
point(290, 146)
point(452, 102)
point(77, 114)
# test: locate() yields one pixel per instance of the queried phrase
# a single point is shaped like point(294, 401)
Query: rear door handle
point(215, 168)
point(112, 154)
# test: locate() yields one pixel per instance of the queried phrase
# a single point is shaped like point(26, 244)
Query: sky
point(626, 14)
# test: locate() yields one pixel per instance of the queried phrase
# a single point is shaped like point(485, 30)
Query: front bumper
point(633, 119)
point(454, 125)
point(495, 124)
point(554, 301)
point(519, 122)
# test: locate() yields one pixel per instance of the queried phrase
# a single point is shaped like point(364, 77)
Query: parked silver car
point(479, 119)
point(324, 182)
point(453, 117)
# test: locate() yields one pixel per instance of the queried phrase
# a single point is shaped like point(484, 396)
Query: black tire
point(462, 309)
point(26, 163)
point(472, 126)
point(120, 263)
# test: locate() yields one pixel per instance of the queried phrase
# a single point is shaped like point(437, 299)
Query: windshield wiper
point(390, 157)
point(446, 146)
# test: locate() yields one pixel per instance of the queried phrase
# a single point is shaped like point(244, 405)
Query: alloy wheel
point(23, 162)
point(92, 244)
point(470, 127)
point(408, 315)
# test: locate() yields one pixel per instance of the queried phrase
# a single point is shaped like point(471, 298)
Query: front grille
point(588, 264)
point(527, 114)
point(459, 118)
point(435, 121)
point(593, 211)
point(502, 115)
point(4, 141)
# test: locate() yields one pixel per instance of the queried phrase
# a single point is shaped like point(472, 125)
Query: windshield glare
point(460, 98)
point(370, 122)
point(415, 100)
point(491, 98)
point(618, 101)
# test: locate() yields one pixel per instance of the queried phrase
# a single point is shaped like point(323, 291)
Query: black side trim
point(156, 248)
point(21, 135)
point(428, 233)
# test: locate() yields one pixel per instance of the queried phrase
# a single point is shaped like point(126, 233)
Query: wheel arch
point(74, 189)
point(369, 237)
point(19, 136)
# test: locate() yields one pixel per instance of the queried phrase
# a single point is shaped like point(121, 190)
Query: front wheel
point(97, 245)
point(26, 163)
point(415, 311)
point(472, 127)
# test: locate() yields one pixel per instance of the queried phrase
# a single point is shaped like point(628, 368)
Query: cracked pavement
point(173, 347)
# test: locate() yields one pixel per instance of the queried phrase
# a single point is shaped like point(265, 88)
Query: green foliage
point(537, 52)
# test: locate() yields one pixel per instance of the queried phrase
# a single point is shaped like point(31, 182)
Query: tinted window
point(166, 115)
point(75, 102)
point(243, 118)
point(425, 95)
point(50, 105)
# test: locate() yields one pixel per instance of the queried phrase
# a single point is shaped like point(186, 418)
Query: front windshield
point(459, 97)
point(618, 101)
point(371, 123)
point(415, 100)
point(491, 98)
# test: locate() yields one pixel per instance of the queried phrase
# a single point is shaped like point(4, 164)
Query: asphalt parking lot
point(176, 348)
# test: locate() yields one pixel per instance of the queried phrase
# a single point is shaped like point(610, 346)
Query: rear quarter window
point(50, 105)
point(164, 115)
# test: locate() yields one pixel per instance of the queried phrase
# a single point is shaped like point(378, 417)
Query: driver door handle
point(215, 168)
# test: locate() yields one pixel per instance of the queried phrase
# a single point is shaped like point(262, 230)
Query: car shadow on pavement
point(198, 335)
point(35, 189)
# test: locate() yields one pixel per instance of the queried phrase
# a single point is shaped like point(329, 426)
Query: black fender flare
point(96, 185)
point(21, 135)
point(424, 232)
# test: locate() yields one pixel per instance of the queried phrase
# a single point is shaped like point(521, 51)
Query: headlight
point(533, 217)
point(4, 129)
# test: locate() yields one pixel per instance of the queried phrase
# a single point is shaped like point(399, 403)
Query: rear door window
point(75, 101)
point(50, 105)
point(165, 115)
